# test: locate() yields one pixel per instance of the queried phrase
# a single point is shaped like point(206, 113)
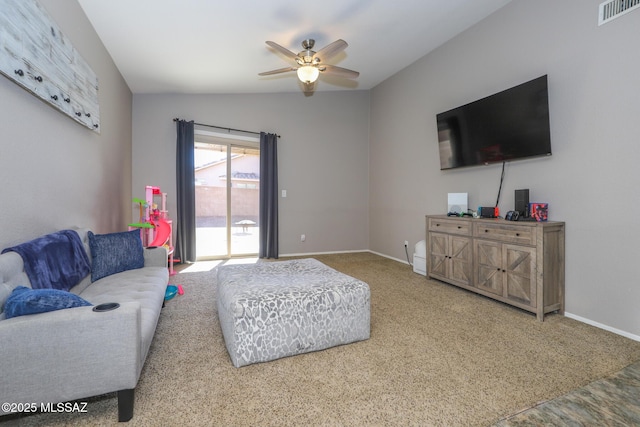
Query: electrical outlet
point(303, 237)
point(406, 243)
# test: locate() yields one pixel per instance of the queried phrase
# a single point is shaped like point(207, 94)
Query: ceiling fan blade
point(278, 71)
point(338, 71)
point(331, 50)
point(283, 50)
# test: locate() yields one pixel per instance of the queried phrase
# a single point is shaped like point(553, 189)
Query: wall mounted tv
point(509, 125)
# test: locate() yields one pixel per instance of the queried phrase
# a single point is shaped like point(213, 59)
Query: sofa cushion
point(23, 301)
point(145, 286)
point(115, 252)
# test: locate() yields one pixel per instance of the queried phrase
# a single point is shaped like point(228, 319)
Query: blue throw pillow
point(23, 301)
point(115, 252)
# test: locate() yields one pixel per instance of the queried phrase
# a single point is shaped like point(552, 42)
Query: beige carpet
point(437, 355)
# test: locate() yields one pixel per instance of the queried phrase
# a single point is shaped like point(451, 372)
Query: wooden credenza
point(518, 263)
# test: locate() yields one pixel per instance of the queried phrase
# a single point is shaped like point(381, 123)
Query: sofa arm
point(156, 256)
point(70, 354)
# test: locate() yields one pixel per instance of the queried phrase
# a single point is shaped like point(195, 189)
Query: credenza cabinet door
point(461, 260)
point(519, 263)
point(438, 255)
point(450, 258)
point(488, 274)
point(506, 270)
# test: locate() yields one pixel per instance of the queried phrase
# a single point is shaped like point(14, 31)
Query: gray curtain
point(185, 224)
point(268, 244)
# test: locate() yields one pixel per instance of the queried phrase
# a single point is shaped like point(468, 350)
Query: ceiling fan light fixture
point(310, 64)
point(308, 74)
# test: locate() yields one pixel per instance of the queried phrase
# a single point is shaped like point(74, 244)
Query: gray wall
point(591, 181)
point(322, 157)
point(56, 173)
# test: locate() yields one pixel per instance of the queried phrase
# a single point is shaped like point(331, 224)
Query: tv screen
point(509, 125)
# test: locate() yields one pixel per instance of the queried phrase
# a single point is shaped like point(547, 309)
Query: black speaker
point(522, 203)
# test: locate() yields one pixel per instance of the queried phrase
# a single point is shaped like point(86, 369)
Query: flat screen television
point(509, 125)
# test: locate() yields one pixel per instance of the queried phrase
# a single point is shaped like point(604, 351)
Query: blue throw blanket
point(54, 261)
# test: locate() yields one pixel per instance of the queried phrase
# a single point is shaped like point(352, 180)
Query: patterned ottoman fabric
point(271, 310)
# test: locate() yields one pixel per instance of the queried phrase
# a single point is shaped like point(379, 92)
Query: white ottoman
point(271, 310)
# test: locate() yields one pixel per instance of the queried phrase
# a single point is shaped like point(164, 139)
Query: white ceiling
point(218, 46)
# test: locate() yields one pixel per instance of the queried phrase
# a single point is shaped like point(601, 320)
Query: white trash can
point(420, 258)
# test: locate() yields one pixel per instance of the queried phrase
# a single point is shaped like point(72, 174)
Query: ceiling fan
point(311, 64)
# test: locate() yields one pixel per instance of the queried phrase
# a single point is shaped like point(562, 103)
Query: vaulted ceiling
point(218, 46)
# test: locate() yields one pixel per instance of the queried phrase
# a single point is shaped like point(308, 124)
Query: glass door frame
point(230, 141)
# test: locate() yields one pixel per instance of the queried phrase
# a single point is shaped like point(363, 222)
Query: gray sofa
point(74, 353)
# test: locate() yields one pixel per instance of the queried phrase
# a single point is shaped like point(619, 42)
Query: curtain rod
point(225, 128)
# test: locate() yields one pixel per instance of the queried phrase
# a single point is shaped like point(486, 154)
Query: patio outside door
point(227, 191)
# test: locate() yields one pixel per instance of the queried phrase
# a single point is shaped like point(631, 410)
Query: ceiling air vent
point(611, 9)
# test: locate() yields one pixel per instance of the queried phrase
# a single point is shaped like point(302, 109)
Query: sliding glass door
point(227, 190)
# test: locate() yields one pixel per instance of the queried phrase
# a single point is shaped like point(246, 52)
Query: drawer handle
point(459, 227)
point(518, 234)
point(486, 231)
point(437, 225)
point(19, 72)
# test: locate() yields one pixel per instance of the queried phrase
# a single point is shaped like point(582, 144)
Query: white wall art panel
point(37, 56)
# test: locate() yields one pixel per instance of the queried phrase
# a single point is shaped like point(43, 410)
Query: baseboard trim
point(602, 326)
point(323, 253)
point(403, 261)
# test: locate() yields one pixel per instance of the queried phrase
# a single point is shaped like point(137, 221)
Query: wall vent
point(611, 9)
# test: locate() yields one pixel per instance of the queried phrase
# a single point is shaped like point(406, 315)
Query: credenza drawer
point(452, 226)
point(505, 233)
